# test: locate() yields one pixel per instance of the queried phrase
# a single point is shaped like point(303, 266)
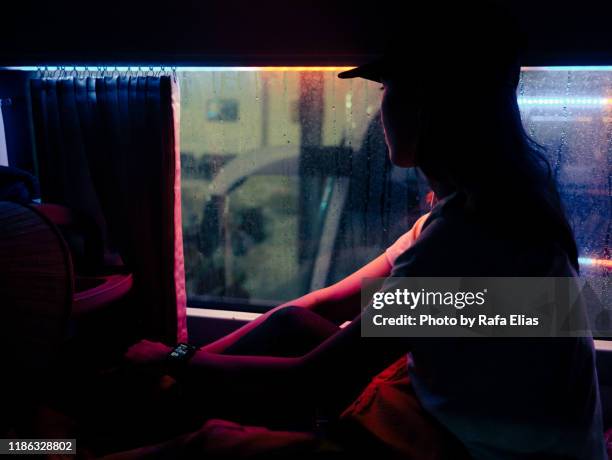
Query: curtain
point(108, 147)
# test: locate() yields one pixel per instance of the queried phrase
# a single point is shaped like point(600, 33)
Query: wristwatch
point(181, 353)
point(176, 367)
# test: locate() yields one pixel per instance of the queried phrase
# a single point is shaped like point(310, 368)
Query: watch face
point(177, 353)
point(180, 351)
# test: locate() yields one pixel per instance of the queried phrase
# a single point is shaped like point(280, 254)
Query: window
point(287, 186)
point(569, 111)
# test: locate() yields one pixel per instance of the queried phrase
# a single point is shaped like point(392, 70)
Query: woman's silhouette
point(498, 214)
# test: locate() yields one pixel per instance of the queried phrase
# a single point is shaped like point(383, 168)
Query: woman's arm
point(337, 368)
point(337, 303)
point(340, 302)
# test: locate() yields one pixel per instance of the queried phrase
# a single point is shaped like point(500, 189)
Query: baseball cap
point(424, 47)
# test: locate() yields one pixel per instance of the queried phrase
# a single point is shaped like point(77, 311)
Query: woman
point(498, 214)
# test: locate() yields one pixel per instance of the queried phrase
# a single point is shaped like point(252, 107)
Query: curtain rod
point(159, 68)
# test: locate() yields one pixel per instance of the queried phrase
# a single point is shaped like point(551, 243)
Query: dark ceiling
point(266, 32)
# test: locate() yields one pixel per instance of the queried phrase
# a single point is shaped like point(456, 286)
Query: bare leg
point(286, 332)
point(289, 331)
point(283, 316)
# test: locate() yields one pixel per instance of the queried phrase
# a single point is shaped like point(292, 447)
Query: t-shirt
point(405, 241)
point(503, 398)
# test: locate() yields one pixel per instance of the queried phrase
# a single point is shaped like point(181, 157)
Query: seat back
point(36, 288)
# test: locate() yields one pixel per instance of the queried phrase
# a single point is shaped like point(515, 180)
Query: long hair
point(478, 145)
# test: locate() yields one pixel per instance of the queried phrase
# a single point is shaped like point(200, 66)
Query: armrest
point(94, 292)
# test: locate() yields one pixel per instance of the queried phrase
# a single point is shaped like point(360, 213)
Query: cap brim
point(370, 71)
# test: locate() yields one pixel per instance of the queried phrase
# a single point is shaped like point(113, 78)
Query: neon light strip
point(147, 68)
point(156, 68)
point(565, 101)
point(595, 262)
point(570, 68)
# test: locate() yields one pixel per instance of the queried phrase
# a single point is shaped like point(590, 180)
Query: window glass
point(569, 111)
point(287, 187)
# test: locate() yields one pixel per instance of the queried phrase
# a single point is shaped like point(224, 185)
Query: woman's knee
point(300, 323)
point(289, 314)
